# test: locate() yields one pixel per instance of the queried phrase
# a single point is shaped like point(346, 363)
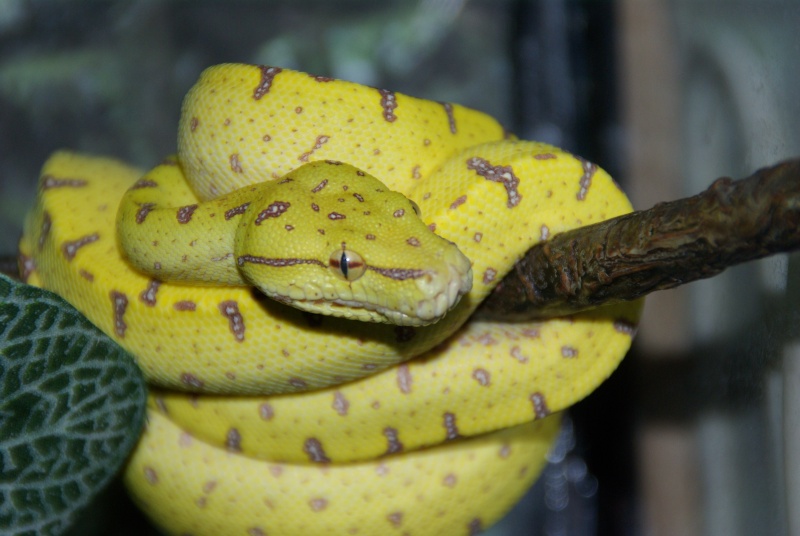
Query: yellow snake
point(266, 419)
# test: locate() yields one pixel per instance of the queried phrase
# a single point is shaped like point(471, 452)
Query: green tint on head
point(331, 239)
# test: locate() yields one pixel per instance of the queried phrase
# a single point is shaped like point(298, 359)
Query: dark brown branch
point(669, 245)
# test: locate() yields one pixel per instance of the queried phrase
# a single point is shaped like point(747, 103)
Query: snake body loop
point(327, 424)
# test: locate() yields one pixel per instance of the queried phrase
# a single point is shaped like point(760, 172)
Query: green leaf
point(72, 405)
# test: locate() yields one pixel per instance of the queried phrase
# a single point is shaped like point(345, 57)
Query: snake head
point(329, 238)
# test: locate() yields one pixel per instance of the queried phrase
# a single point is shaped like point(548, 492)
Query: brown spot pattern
point(236, 163)
point(119, 303)
point(544, 156)
point(627, 327)
point(70, 248)
point(297, 383)
point(369, 236)
point(489, 275)
point(150, 475)
point(144, 183)
point(336, 216)
point(482, 376)
point(191, 380)
point(398, 274)
point(477, 237)
point(47, 224)
point(266, 411)
point(389, 104)
point(321, 140)
point(184, 305)
point(233, 440)
point(404, 379)
point(450, 426)
point(236, 211)
point(450, 480)
point(274, 210)
point(88, 276)
point(458, 202)
point(451, 118)
point(318, 504)
point(184, 214)
point(501, 174)
point(144, 210)
point(340, 404)
point(540, 408)
point(49, 182)
point(230, 310)
point(413, 241)
point(148, 295)
point(267, 77)
point(516, 353)
point(475, 527)
point(193, 122)
point(319, 186)
point(393, 443)
point(544, 233)
point(399, 213)
point(395, 518)
point(569, 351)
point(589, 170)
point(313, 449)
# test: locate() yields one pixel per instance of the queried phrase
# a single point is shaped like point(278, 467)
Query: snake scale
point(280, 411)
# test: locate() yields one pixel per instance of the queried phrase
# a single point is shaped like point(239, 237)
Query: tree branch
point(671, 244)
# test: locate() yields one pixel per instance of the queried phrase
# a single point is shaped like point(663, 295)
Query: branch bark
point(671, 244)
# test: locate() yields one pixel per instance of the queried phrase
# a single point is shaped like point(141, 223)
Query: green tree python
point(297, 282)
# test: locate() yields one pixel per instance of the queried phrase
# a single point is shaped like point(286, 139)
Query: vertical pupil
point(343, 264)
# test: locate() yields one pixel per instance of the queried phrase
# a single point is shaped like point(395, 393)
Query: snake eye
point(347, 264)
point(415, 206)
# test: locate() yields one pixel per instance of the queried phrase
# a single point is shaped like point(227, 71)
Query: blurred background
point(698, 432)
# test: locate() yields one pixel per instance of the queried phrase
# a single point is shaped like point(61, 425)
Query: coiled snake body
point(266, 419)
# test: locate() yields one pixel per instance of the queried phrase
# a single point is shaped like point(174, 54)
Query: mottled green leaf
point(71, 409)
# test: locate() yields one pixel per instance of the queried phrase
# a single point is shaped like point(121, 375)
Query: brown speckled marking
point(482, 376)
point(315, 207)
point(451, 118)
point(191, 380)
point(450, 480)
point(321, 140)
point(475, 527)
point(49, 182)
point(589, 170)
point(276, 263)
point(458, 202)
point(88, 276)
point(236, 211)
point(184, 305)
point(236, 163)
point(156, 265)
point(144, 183)
point(26, 267)
point(399, 213)
point(404, 333)
point(193, 122)
point(274, 210)
point(395, 518)
point(44, 232)
point(404, 379)
point(516, 353)
point(432, 227)
point(393, 443)
point(313, 448)
point(256, 531)
point(413, 241)
point(148, 295)
point(398, 274)
point(144, 210)
point(544, 233)
point(389, 104)
point(489, 275)
point(569, 351)
point(230, 310)
point(233, 440)
point(119, 303)
point(450, 426)
point(486, 339)
point(477, 237)
point(267, 77)
point(502, 174)
point(298, 110)
point(415, 173)
point(184, 214)
point(319, 186)
point(505, 451)
point(627, 327)
point(336, 216)
point(266, 411)
point(544, 156)
point(318, 504)
point(70, 248)
point(540, 408)
point(319, 78)
point(289, 227)
point(298, 383)
point(359, 197)
point(340, 404)
point(369, 236)
point(150, 475)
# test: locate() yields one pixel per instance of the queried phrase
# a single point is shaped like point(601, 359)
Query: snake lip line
point(398, 274)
